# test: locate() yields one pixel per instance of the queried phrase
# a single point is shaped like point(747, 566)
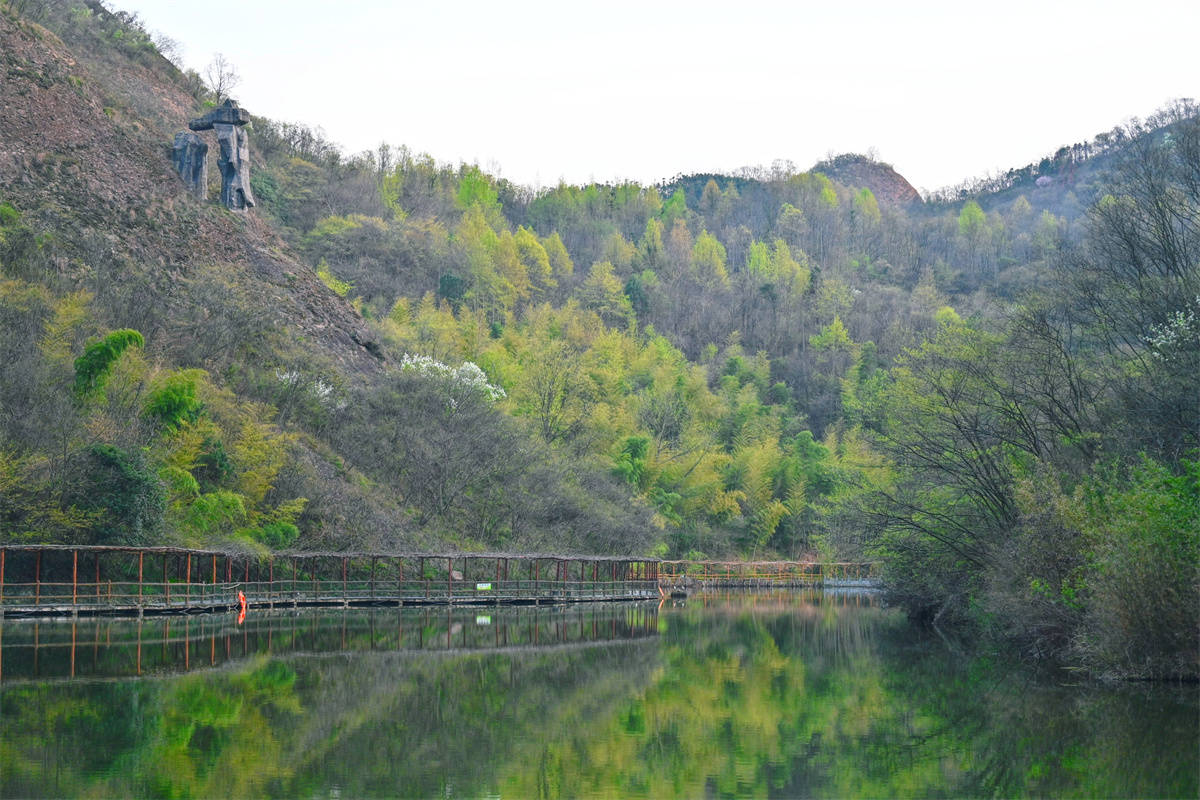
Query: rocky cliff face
point(85, 156)
point(860, 171)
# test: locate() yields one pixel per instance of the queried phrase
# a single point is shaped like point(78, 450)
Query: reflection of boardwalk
point(55, 580)
point(107, 649)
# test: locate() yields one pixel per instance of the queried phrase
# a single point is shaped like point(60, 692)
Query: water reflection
point(118, 648)
point(785, 695)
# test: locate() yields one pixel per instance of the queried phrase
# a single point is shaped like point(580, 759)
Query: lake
point(796, 694)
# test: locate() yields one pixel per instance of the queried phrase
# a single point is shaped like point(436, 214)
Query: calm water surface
point(787, 695)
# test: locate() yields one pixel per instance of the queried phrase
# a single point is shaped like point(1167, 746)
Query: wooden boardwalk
point(698, 576)
point(62, 580)
point(56, 580)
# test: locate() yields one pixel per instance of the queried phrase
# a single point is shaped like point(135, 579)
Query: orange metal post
point(74, 596)
point(188, 580)
point(141, 555)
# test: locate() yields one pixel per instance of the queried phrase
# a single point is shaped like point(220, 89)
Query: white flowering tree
point(466, 376)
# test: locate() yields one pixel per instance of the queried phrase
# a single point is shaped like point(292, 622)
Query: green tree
point(708, 261)
point(603, 293)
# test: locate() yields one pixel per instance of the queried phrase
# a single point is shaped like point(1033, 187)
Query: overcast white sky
point(578, 90)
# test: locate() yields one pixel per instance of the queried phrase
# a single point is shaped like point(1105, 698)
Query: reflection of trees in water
point(826, 700)
point(373, 723)
point(802, 698)
point(428, 723)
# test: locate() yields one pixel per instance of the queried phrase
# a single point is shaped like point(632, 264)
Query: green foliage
point(708, 260)
point(603, 293)
point(94, 366)
point(1143, 574)
point(971, 220)
point(126, 497)
point(179, 482)
point(630, 463)
point(475, 189)
point(213, 465)
point(947, 316)
point(276, 535)
point(216, 513)
point(866, 207)
point(675, 207)
point(338, 286)
point(173, 401)
point(833, 337)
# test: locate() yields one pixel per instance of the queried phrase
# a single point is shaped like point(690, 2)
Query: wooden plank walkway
point(63, 580)
point(696, 576)
point(56, 580)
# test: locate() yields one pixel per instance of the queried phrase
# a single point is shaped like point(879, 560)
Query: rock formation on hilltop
point(852, 169)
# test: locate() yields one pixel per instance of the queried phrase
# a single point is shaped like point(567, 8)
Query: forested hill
point(991, 390)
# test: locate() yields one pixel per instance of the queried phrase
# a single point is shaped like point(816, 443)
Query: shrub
point(213, 465)
point(215, 513)
point(95, 365)
point(276, 535)
point(128, 499)
point(173, 401)
point(336, 284)
point(1144, 576)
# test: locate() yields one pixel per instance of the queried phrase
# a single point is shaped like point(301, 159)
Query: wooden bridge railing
point(44, 579)
point(766, 573)
point(58, 579)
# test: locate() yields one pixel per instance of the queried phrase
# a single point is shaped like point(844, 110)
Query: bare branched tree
point(170, 48)
point(221, 76)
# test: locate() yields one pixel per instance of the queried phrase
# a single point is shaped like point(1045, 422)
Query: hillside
point(233, 425)
point(85, 153)
point(392, 353)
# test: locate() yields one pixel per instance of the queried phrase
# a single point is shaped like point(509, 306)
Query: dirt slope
point(85, 155)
